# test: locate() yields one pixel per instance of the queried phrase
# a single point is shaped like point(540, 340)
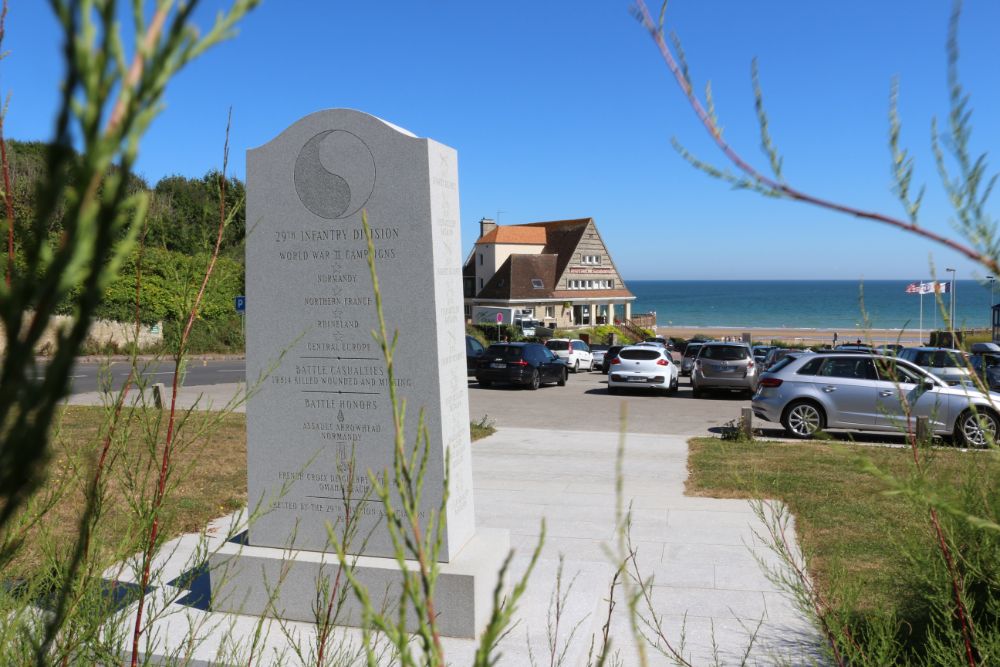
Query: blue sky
point(563, 109)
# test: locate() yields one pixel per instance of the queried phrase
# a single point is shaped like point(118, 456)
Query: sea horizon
point(814, 304)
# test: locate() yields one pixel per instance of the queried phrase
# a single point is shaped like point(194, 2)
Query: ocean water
point(805, 304)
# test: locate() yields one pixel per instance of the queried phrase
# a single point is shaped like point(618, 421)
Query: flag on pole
point(933, 287)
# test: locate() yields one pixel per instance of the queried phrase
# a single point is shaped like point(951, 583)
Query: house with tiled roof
point(560, 271)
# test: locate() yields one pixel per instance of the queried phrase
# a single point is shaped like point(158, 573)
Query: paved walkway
point(708, 589)
point(701, 552)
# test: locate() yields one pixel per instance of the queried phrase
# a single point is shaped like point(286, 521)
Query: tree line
point(177, 238)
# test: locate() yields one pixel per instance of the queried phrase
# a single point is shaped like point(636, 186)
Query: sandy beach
point(907, 337)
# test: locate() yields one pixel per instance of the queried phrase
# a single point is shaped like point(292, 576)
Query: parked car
point(599, 351)
point(760, 354)
point(574, 353)
point(473, 351)
point(608, 356)
point(854, 347)
point(645, 367)
point(659, 339)
point(985, 361)
point(687, 362)
point(724, 366)
point(777, 354)
point(866, 393)
point(950, 365)
point(528, 364)
point(890, 349)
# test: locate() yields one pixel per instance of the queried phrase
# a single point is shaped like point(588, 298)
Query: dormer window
point(537, 283)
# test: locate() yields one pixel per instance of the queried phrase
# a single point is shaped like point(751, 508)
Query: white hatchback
point(574, 353)
point(643, 367)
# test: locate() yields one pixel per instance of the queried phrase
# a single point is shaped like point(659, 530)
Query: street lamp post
point(992, 281)
point(951, 315)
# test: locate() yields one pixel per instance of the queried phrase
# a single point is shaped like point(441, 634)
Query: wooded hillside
point(180, 232)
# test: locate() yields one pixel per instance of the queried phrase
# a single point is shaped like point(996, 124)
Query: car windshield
point(692, 350)
point(639, 354)
point(505, 352)
point(558, 345)
point(724, 352)
point(938, 359)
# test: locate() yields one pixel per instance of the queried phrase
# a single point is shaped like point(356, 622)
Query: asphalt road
point(584, 404)
point(90, 376)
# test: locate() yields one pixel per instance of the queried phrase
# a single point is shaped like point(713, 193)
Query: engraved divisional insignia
point(334, 174)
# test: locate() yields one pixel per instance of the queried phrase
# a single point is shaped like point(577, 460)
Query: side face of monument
point(322, 418)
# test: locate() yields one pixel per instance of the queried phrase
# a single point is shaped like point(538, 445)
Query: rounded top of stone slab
point(334, 172)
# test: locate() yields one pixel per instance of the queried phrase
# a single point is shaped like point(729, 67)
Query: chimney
point(486, 225)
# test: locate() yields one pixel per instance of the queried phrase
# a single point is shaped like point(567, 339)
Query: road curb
point(96, 358)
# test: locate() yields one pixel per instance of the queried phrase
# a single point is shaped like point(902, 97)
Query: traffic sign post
point(240, 303)
point(499, 322)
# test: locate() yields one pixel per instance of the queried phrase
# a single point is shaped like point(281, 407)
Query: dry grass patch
point(208, 480)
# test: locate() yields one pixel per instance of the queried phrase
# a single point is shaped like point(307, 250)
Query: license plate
point(727, 369)
point(496, 365)
point(635, 379)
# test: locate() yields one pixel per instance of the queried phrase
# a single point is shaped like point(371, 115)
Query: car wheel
point(485, 383)
point(976, 429)
point(562, 378)
point(674, 385)
point(535, 380)
point(590, 368)
point(803, 419)
point(576, 366)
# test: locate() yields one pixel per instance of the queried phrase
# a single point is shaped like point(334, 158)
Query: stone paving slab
point(700, 551)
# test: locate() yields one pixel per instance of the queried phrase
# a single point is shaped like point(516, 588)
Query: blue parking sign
point(241, 304)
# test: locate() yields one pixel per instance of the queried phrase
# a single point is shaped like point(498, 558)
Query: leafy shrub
point(495, 332)
point(475, 332)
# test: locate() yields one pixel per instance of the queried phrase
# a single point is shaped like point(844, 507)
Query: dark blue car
point(526, 364)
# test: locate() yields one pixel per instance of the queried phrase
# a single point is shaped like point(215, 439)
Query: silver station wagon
point(864, 392)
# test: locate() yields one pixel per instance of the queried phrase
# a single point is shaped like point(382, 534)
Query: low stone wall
point(103, 333)
point(644, 320)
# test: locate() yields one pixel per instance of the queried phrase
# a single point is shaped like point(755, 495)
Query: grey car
point(948, 364)
point(868, 393)
point(760, 354)
point(687, 361)
point(724, 366)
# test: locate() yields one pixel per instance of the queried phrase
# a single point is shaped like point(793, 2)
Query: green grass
point(855, 535)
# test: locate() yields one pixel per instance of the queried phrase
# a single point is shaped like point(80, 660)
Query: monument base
point(265, 581)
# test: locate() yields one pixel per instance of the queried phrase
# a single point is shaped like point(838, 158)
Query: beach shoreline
point(765, 335)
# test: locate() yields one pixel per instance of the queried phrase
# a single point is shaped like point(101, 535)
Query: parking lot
point(584, 404)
